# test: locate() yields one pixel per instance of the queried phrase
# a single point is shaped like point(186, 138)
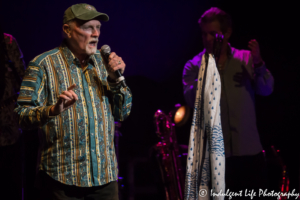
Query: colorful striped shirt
point(77, 146)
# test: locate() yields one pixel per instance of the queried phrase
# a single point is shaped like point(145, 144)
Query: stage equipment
point(180, 114)
point(169, 156)
point(278, 177)
point(285, 180)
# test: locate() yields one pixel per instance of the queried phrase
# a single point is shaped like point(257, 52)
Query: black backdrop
point(155, 39)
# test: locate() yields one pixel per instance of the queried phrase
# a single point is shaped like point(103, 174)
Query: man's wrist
point(259, 64)
point(52, 111)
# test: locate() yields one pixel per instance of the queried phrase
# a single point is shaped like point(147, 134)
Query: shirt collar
point(229, 50)
point(70, 57)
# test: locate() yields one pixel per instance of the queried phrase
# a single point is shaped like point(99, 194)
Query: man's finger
point(70, 103)
point(115, 63)
point(112, 55)
point(121, 67)
point(251, 47)
point(72, 87)
point(116, 60)
point(74, 95)
point(68, 93)
point(252, 43)
point(64, 97)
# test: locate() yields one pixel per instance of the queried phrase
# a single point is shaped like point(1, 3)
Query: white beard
point(91, 51)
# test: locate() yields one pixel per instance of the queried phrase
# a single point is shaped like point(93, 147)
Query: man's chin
point(91, 51)
point(209, 50)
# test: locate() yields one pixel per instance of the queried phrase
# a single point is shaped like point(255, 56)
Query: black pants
point(246, 172)
point(54, 190)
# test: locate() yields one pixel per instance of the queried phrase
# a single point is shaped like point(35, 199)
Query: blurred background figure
point(243, 74)
point(12, 69)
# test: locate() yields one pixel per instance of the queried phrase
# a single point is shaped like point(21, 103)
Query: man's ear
point(228, 33)
point(66, 30)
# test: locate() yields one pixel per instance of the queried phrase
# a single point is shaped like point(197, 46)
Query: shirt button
point(92, 133)
point(93, 150)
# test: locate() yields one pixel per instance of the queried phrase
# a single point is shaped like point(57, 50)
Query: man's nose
point(95, 33)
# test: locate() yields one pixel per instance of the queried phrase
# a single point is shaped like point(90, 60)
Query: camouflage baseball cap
point(83, 11)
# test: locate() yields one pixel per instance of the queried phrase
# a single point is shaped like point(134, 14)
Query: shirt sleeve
point(264, 81)
point(190, 79)
point(121, 101)
point(32, 110)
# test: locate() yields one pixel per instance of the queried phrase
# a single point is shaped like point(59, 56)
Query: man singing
point(74, 97)
point(243, 74)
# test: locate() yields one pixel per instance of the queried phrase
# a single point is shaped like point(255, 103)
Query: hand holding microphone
point(217, 47)
point(114, 65)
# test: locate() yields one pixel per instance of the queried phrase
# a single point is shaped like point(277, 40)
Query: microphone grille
point(105, 49)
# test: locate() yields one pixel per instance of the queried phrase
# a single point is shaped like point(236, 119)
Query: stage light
point(181, 114)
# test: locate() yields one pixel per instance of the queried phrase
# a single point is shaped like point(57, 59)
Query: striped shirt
point(76, 147)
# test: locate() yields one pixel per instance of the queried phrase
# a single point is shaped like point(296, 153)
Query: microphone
point(218, 46)
point(105, 50)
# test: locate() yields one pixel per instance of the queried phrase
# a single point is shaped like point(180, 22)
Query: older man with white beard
point(73, 96)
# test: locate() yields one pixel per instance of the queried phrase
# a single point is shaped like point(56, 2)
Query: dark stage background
point(155, 39)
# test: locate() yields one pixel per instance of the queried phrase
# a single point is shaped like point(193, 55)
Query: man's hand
point(255, 51)
point(65, 101)
point(114, 63)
